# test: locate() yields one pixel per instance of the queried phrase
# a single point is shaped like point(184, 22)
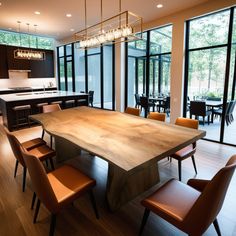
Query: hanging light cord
point(85, 14)
point(101, 18)
point(35, 31)
point(28, 35)
point(19, 22)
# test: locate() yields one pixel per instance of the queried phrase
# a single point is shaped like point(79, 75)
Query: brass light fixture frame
point(108, 27)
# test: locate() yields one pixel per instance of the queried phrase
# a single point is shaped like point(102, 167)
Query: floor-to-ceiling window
point(149, 60)
point(210, 72)
point(88, 70)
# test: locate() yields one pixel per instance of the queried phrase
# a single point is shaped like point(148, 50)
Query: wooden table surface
point(126, 141)
point(131, 145)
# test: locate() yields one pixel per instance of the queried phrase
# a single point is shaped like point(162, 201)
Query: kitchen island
point(8, 101)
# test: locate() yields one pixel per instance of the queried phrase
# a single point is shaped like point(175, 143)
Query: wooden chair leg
point(16, 167)
point(24, 178)
point(51, 163)
point(217, 228)
point(144, 220)
point(194, 164)
point(179, 168)
point(43, 132)
point(36, 211)
point(33, 201)
point(50, 141)
point(52, 224)
point(92, 199)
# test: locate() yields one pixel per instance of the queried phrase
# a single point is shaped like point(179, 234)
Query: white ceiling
point(53, 21)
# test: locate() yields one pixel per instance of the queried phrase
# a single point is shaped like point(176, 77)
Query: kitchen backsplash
point(47, 82)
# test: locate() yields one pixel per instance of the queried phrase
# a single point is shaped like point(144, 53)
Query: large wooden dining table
point(131, 145)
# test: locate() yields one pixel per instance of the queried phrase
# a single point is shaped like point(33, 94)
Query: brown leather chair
point(157, 116)
point(132, 111)
point(192, 207)
point(47, 109)
point(36, 147)
point(58, 188)
point(188, 151)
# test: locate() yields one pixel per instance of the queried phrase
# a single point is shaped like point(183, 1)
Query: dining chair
point(57, 189)
point(146, 104)
point(157, 116)
point(188, 151)
point(198, 108)
point(137, 100)
point(47, 109)
point(191, 207)
point(36, 147)
point(132, 111)
point(165, 106)
point(90, 98)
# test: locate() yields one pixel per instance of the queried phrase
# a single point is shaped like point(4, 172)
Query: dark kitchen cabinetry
point(39, 69)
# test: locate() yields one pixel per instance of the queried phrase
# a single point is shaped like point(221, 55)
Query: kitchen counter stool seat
point(22, 114)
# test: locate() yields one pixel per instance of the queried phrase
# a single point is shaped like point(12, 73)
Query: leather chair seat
point(68, 183)
point(172, 201)
point(28, 145)
point(42, 152)
point(184, 153)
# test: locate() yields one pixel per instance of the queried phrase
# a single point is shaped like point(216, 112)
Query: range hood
point(19, 70)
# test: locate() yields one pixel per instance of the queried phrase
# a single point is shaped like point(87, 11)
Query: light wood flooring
point(16, 216)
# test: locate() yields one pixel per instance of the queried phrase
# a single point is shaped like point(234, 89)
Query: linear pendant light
point(122, 27)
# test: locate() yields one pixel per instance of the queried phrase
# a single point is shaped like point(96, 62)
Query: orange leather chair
point(188, 151)
point(192, 207)
point(58, 188)
point(157, 116)
point(35, 147)
point(132, 111)
point(47, 109)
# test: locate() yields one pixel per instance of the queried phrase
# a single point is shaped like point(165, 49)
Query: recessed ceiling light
point(37, 12)
point(10, 28)
point(72, 30)
point(0, 4)
point(68, 15)
point(159, 5)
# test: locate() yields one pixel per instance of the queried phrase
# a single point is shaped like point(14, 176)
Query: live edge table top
point(125, 141)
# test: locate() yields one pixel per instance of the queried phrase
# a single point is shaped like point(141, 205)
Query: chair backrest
point(40, 182)
point(231, 108)
point(167, 102)
point(198, 108)
point(137, 98)
point(186, 122)
point(157, 116)
point(209, 203)
point(144, 101)
point(15, 146)
point(213, 98)
point(51, 108)
point(132, 111)
point(91, 93)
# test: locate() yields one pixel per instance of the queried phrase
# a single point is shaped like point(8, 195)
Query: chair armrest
point(198, 184)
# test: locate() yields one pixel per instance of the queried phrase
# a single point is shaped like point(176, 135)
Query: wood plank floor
point(16, 216)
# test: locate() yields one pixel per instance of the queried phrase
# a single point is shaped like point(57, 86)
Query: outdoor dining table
point(131, 145)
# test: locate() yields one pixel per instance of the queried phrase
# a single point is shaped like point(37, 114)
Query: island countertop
point(37, 95)
point(9, 101)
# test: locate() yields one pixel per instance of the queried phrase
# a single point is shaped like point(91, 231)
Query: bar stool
point(40, 106)
point(69, 103)
point(22, 114)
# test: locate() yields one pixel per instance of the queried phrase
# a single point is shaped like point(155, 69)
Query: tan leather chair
point(58, 188)
point(132, 111)
point(47, 109)
point(157, 116)
point(192, 207)
point(188, 151)
point(36, 147)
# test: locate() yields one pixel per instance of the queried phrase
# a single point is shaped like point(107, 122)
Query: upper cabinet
point(38, 68)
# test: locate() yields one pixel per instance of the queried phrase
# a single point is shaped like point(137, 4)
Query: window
point(149, 63)
point(210, 68)
point(88, 70)
point(25, 40)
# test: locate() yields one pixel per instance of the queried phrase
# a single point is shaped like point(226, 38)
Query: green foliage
point(25, 40)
